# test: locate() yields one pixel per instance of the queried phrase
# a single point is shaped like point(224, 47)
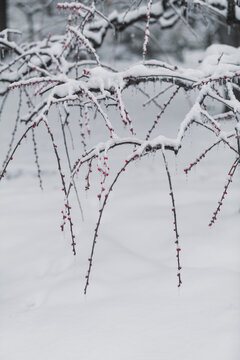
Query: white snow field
point(133, 309)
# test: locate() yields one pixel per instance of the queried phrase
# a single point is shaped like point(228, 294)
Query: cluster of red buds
point(86, 72)
point(87, 177)
point(66, 215)
point(87, 120)
point(72, 6)
point(212, 121)
point(39, 90)
point(77, 163)
point(79, 10)
point(101, 193)
point(88, 16)
point(220, 80)
point(128, 161)
point(217, 92)
point(67, 44)
point(123, 112)
point(68, 100)
point(103, 169)
point(217, 128)
point(84, 124)
point(186, 170)
point(202, 156)
point(84, 41)
point(33, 83)
point(226, 116)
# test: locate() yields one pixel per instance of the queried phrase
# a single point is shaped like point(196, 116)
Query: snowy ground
point(133, 309)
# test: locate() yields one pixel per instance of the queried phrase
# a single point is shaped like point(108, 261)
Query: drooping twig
point(14, 130)
point(10, 158)
point(122, 170)
point(220, 203)
point(67, 210)
point(2, 104)
point(36, 159)
point(202, 156)
point(175, 224)
point(69, 161)
point(161, 113)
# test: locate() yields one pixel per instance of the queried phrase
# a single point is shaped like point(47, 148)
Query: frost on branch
point(50, 76)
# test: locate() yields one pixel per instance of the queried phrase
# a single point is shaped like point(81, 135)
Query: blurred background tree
point(193, 29)
point(3, 14)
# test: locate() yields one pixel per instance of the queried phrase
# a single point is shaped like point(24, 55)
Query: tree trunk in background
point(3, 14)
point(231, 37)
